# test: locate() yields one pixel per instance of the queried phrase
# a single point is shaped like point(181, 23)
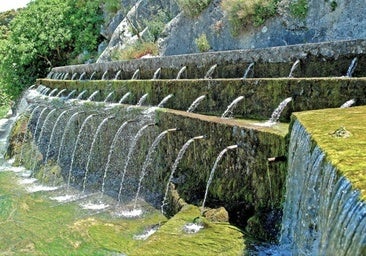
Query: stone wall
point(316, 60)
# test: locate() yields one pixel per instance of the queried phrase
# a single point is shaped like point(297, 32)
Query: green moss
point(214, 239)
point(346, 153)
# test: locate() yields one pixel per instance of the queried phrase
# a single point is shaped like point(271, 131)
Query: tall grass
point(193, 8)
point(242, 14)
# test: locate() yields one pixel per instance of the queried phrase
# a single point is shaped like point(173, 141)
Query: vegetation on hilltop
point(45, 34)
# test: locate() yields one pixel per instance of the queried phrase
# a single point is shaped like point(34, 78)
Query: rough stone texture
point(137, 18)
point(321, 24)
point(318, 59)
point(261, 96)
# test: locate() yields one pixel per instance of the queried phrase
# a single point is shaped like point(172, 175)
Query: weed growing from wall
point(202, 43)
point(242, 14)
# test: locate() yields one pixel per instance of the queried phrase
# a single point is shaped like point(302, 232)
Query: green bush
point(193, 7)
point(202, 43)
point(242, 14)
point(136, 51)
point(299, 8)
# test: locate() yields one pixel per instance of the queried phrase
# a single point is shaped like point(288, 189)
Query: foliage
point(202, 43)
point(156, 25)
point(47, 33)
point(136, 51)
point(299, 8)
point(245, 13)
point(112, 6)
point(193, 8)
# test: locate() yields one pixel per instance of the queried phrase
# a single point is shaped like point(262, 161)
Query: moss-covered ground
point(32, 224)
point(340, 133)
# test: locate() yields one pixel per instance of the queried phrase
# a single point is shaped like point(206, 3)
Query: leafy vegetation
point(299, 8)
point(242, 14)
point(193, 8)
point(136, 51)
point(202, 43)
point(47, 33)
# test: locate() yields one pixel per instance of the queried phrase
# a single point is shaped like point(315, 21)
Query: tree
point(47, 33)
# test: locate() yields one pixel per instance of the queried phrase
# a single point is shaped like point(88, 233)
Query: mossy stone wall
point(261, 96)
point(317, 60)
point(244, 182)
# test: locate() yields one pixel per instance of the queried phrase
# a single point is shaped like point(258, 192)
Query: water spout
point(142, 99)
point(80, 96)
point(70, 94)
point(75, 148)
point(124, 97)
point(60, 92)
point(210, 72)
point(67, 127)
point(52, 92)
point(352, 67)
point(111, 151)
point(148, 161)
point(108, 97)
point(161, 104)
point(74, 76)
point(174, 167)
point(229, 109)
point(195, 103)
point(100, 126)
point(117, 74)
point(92, 75)
point(348, 103)
point(136, 75)
point(249, 68)
point(82, 76)
point(294, 66)
point(157, 74)
point(277, 112)
point(92, 96)
point(104, 76)
point(209, 181)
point(66, 76)
point(180, 73)
point(53, 134)
point(129, 155)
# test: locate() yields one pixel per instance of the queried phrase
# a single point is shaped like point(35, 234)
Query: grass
point(3, 111)
point(346, 153)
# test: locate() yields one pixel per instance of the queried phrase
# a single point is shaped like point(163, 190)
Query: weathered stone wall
point(261, 96)
point(317, 60)
point(245, 183)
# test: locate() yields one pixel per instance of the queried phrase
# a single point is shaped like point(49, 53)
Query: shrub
point(136, 51)
point(193, 8)
point(299, 8)
point(202, 43)
point(245, 13)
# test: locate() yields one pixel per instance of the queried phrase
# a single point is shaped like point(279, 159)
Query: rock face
point(323, 22)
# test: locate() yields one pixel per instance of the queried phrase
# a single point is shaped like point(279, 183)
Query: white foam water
point(37, 188)
point(64, 198)
point(130, 213)
point(93, 206)
point(192, 228)
point(27, 181)
point(146, 234)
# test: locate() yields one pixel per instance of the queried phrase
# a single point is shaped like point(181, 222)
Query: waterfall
point(95, 137)
point(149, 160)
point(209, 181)
point(322, 215)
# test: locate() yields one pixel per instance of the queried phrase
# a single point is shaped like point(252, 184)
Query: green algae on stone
point(346, 153)
point(216, 238)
